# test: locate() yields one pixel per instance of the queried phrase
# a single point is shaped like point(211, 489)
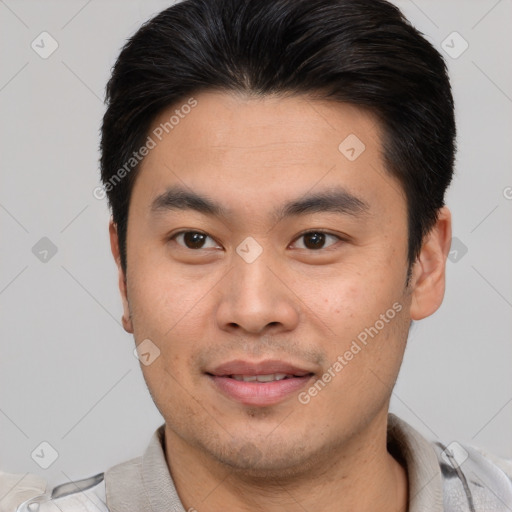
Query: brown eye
point(192, 239)
point(315, 240)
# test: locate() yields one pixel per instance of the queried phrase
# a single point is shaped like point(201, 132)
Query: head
point(276, 172)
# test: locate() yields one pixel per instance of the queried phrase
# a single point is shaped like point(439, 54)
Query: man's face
point(263, 289)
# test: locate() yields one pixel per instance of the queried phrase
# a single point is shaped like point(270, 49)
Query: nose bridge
point(254, 298)
point(252, 277)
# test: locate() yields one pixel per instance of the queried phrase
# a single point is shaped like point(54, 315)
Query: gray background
point(68, 375)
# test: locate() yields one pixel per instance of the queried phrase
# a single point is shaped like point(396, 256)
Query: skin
point(203, 307)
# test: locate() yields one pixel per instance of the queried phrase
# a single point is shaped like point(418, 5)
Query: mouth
point(259, 384)
point(271, 377)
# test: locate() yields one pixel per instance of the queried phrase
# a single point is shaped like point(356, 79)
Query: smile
point(262, 378)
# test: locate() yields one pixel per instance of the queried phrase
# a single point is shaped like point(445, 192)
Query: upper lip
point(270, 366)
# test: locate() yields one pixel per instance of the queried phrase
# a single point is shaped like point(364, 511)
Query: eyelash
point(315, 231)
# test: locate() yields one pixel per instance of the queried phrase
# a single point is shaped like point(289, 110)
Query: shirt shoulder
point(454, 477)
point(87, 494)
point(473, 478)
point(29, 492)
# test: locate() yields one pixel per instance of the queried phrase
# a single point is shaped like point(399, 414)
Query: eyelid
point(183, 231)
point(320, 231)
point(300, 235)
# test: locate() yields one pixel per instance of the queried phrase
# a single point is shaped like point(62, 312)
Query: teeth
point(266, 378)
point(261, 378)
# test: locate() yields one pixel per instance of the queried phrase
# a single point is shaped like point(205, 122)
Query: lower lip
point(259, 393)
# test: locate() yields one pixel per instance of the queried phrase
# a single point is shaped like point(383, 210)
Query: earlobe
point(429, 270)
point(114, 246)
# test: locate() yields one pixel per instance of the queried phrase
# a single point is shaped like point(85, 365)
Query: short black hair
point(362, 52)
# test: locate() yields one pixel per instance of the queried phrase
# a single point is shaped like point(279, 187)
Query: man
point(276, 171)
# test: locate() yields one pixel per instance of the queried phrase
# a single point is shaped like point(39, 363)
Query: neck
point(362, 477)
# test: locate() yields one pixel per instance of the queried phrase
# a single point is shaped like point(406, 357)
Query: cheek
point(171, 311)
point(363, 323)
point(161, 298)
point(339, 303)
point(351, 301)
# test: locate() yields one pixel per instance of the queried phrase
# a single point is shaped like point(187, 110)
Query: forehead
point(222, 121)
point(253, 150)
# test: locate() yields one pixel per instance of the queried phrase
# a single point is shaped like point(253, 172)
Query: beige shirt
point(145, 483)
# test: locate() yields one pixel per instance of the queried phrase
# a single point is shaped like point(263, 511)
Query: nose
point(256, 298)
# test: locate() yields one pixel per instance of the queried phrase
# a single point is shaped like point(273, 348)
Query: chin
point(266, 461)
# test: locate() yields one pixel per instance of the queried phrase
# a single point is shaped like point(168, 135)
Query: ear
point(429, 270)
point(114, 246)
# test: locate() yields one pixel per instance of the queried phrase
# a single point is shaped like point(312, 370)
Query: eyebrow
point(336, 200)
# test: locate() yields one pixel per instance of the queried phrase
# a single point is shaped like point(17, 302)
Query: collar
point(145, 483)
point(422, 465)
